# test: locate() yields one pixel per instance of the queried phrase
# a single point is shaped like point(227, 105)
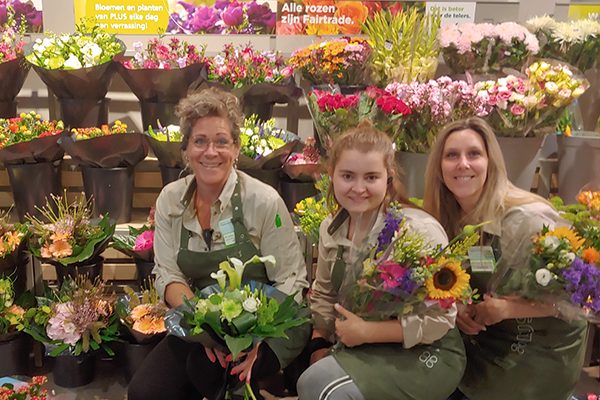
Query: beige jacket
point(417, 328)
point(261, 205)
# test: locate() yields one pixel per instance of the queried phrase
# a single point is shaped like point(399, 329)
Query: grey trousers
point(326, 380)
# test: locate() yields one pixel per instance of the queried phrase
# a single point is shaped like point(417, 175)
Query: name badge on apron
point(482, 259)
point(227, 231)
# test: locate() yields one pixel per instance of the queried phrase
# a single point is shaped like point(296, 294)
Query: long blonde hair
point(365, 137)
point(498, 193)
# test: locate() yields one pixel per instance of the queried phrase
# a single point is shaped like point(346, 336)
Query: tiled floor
point(110, 384)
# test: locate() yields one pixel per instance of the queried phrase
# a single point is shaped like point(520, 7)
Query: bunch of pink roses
point(482, 48)
point(158, 55)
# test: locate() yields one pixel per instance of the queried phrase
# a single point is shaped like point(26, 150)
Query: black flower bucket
point(70, 371)
point(294, 191)
point(32, 185)
point(14, 353)
point(12, 77)
point(111, 189)
point(91, 269)
point(144, 270)
point(171, 174)
point(81, 113)
point(152, 112)
point(131, 356)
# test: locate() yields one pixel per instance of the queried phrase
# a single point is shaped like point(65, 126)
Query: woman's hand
point(465, 320)
point(244, 368)
point(492, 310)
point(352, 331)
point(215, 354)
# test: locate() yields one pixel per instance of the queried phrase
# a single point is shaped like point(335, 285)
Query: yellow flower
point(450, 281)
point(565, 233)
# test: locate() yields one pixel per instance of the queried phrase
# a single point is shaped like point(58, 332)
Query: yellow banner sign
point(579, 11)
point(126, 17)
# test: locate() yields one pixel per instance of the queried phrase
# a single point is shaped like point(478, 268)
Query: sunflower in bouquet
point(341, 61)
point(77, 318)
point(585, 219)
point(403, 274)
point(66, 234)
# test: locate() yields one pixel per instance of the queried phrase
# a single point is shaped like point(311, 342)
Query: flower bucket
point(578, 164)
point(412, 167)
point(144, 270)
point(32, 184)
point(169, 174)
point(293, 191)
point(158, 111)
point(269, 176)
point(92, 269)
point(263, 110)
point(111, 189)
point(131, 356)
point(14, 354)
point(8, 109)
point(71, 371)
point(79, 113)
point(12, 77)
point(521, 158)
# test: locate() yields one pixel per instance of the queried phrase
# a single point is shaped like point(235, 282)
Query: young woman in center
point(417, 357)
point(516, 348)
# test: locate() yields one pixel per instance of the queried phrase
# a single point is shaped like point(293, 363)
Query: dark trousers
point(178, 370)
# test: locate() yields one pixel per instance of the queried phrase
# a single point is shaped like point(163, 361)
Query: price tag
point(482, 259)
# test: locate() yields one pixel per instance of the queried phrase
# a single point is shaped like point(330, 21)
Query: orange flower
point(13, 239)
point(149, 325)
point(56, 236)
point(45, 252)
point(60, 248)
point(140, 311)
point(357, 11)
point(591, 255)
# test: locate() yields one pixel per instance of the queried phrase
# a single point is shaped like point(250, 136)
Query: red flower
point(392, 105)
point(331, 102)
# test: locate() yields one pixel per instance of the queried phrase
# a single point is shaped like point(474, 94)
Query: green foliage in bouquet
point(67, 234)
point(585, 216)
point(259, 139)
point(12, 310)
point(238, 314)
point(405, 45)
point(169, 133)
point(76, 318)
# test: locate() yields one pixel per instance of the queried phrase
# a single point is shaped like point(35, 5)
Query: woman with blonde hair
point(516, 348)
point(412, 357)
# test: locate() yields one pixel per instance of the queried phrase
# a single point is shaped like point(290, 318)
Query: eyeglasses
point(202, 143)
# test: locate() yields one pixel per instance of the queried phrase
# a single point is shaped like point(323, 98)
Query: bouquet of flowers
point(410, 56)
point(233, 316)
point(11, 42)
point(333, 114)
point(11, 314)
point(142, 314)
point(262, 145)
point(310, 212)
point(169, 133)
point(387, 111)
point(165, 142)
point(27, 127)
point(532, 105)
point(483, 48)
point(23, 13)
point(75, 319)
point(23, 391)
point(11, 236)
point(104, 130)
point(576, 42)
point(305, 165)
point(224, 17)
point(67, 234)
point(139, 243)
point(585, 218)
point(560, 271)
point(87, 47)
point(157, 55)
point(402, 274)
point(341, 61)
point(240, 66)
point(433, 104)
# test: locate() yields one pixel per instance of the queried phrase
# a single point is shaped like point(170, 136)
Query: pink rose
point(517, 109)
point(145, 241)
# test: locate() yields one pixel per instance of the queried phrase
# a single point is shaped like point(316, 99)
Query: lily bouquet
point(560, 271)
point(142, 314)
point(402, 274)
point(11, 314)
point(232, 316)
point(575, 42)
point(533, 104)
point(67, 234)
point(484, 48)
point(341, 61)
point(77, 318)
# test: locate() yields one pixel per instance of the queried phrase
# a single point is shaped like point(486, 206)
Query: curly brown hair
point(211, 102)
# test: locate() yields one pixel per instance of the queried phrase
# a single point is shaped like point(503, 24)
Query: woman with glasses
point(215, 213)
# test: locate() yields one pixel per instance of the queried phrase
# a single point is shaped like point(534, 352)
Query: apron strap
point(241, 232)
point(338, 270)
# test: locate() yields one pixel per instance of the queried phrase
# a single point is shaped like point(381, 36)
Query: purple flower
point(392, 222)
point(175, 24)
point(260, 14)
point(233, 15)
point(407, 285)
point(221, 4)
point(204, 19)
point(583, 284)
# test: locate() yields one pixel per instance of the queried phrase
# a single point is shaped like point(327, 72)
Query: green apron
point(524, 359)
point(197, 267)
point(389, 371)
